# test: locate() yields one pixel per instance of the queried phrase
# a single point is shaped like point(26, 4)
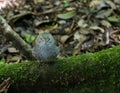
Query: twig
point(5, 85)
point(18, 42)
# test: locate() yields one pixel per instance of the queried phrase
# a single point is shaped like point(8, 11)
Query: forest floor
point(78, 26)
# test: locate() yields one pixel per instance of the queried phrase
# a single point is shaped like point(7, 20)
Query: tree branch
point(18, 42)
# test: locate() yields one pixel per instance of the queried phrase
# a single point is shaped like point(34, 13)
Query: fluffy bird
point(45, 49)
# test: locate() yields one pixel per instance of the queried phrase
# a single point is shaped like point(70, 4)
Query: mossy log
point(91, 69)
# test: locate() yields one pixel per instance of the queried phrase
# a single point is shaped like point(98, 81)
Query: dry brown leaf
point(111, 4)
point(97, 28)
point(76, 51)
point(117, 1)
point(38, 1)
point(104, 13)
point(12, 50)
point(80, 37)
point(95, 3)
point(7, 4)
point(88, 44)
point(64, 38)
point(11, 59)
point(82, 24)
point(106, 23)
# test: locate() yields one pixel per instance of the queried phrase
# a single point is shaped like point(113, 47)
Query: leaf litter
point(77, 26)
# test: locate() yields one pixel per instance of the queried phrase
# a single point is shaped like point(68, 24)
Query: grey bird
point(45, 49)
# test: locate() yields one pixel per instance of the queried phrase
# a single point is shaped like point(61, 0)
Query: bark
point(18, 42)
point(88, 69)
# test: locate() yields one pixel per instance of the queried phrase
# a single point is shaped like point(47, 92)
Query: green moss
point(93, 72)
point(17, 71)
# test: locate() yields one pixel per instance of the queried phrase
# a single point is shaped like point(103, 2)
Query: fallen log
point(98, 70)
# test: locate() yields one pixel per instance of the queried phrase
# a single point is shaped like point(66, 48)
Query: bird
point(45, 48)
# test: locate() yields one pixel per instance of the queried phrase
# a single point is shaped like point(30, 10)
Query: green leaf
point(29, 38)
point(113, 19)
point(85, 1)
point(2, 60)
point(104, 13)
point(67, 15)
point(50, 24)
point(66, 3)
